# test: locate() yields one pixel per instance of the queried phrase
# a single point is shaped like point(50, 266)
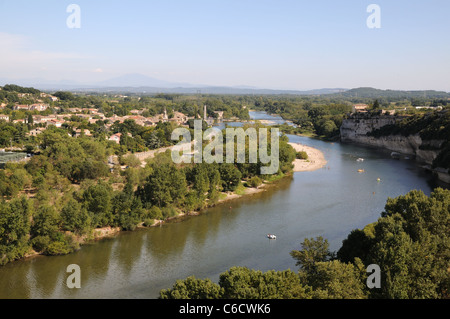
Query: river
point(329, 202)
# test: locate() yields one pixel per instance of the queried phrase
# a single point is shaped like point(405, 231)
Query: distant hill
point(139, 80)
point(139, 83)
point(368, 92)
point(205, 90)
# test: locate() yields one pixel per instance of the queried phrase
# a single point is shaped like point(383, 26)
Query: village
point(58, 119)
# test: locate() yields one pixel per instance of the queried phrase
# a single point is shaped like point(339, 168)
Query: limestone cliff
point(356, 129)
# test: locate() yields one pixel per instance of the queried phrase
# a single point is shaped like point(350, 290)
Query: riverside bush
point(302, 155)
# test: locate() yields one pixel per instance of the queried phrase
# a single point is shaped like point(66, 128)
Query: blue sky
point(270, 44)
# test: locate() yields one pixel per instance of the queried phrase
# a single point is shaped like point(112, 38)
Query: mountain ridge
point(139, 83)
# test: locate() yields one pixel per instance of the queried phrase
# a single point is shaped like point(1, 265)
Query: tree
point(357, 244)
point(312, 252)
point(376, 105)
point(166, 185)
point(87, 169)
point(127, 210)
point(243, 283)
point(192, 288)
point(153, 142)
point(240, 283)
point(75, 218)
point(200, 180)
point(46, 222)
point(230, 176)
point(337, 280)
point(14, 229)
point(410, 243)
point(64, 96)
point(46, 235)
point(329, 128)
point(96, 199)
point(130, 160)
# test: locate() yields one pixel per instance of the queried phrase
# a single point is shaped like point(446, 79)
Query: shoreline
point(228, 197)
point(316, 158)
point(316, 161)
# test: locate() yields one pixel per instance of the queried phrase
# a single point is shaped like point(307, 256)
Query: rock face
point(355, 128)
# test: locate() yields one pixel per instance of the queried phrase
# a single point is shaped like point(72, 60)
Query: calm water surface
point(329, 202)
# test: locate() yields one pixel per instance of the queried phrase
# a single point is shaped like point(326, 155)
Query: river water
point(329, 202)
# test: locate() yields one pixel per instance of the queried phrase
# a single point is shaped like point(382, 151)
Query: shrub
point(148, 222)
point(255, 181)
point(168, 212)
point(154, 213)
point(58, 248)
point(40, 243)
point(301, 155)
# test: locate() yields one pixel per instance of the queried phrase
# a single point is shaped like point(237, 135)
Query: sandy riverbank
point(248, 191)
point(315, 161)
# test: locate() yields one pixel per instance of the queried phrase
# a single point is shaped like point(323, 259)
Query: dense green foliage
point(432, 125)
point(410, 243)
point(68, 188)
point(318, 115)
point(301, 155)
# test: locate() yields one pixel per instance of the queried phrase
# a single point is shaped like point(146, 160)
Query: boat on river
point(360, 159)
point(395, 155)
point(271, 236)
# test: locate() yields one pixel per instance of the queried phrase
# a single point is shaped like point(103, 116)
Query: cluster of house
point(360, 108)
point(363, 108)
point(42, 95)
point(92, 116)
point(33, 107)
point(178, 118)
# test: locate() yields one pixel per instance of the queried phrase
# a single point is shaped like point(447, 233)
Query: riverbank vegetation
point(58, 198)
point(410, 243)
point(71, 185)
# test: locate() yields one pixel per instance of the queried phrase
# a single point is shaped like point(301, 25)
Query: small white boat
point(271, 236)
point(360, 159)
point(395, 155)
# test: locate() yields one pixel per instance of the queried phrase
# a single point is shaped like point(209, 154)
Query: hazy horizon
point(283, 45)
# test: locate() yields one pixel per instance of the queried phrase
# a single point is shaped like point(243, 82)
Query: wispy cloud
point(18, 55)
